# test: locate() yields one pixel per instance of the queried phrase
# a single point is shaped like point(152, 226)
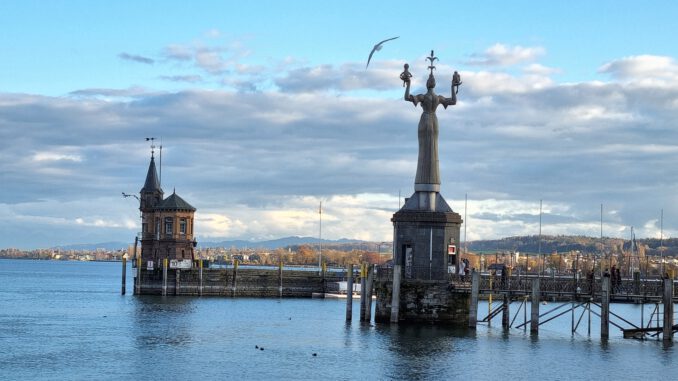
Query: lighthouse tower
point(166, 223)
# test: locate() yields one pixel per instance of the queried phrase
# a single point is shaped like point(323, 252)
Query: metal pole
point(320, 236)
point(602, 251)
point(539, 255)
point(661, 244)
point(160, 180)
point(465, 223)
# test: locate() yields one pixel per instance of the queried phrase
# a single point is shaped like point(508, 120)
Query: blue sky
point(265, 109)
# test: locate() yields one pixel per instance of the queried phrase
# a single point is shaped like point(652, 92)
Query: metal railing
point(555, 285)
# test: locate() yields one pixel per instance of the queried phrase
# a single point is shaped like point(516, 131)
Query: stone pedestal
point(422, 301)
point(424, 228)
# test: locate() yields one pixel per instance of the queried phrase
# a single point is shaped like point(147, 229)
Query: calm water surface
point(67, 320)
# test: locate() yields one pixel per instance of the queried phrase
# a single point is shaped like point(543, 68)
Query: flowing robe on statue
point(427, 165)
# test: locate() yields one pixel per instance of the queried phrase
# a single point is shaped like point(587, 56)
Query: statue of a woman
point(428, 173)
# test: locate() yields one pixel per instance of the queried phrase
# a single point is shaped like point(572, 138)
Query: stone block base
point(427, 301)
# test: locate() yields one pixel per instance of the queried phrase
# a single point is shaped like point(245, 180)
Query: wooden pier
point(579, 296)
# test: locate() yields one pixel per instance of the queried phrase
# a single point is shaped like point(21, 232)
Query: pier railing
point(557, 286)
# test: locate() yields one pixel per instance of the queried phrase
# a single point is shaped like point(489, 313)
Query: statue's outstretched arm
point(451, 101)
point(409, 97)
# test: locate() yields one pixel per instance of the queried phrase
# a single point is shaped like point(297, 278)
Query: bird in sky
point(377, 47)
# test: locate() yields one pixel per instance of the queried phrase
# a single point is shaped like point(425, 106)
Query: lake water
point(67, 320)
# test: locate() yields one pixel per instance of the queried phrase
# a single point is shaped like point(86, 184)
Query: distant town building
point(166, 223)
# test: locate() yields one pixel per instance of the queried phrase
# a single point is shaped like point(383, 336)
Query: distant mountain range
point(240, 244)
point(525, 244)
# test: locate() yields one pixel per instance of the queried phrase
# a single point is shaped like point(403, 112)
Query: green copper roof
point(174, 202)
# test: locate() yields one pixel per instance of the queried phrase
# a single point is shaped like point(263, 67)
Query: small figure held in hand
point(406, 75)
point(456, 82)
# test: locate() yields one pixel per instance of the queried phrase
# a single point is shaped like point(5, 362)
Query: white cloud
point(644, 69)
point(506, 55)
point(256, 163)
point(55, 156)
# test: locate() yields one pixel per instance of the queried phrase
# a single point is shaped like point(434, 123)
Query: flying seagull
point(377, 47)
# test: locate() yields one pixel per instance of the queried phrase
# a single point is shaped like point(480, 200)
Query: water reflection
point(162, 321)
point(422, 351)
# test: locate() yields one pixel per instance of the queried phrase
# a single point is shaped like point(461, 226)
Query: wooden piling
point(473, 309)
point(280, 278)
point(177, 282)
point(368, 293)
point(363, 287)
point(534, 321)
point(200, 276)
point(164, 277)
point(124, 275)
point(636, 283)
point(605, 308)
point(525, 313)
point(395, 296)
point(137, 287)
point(138, 260)
point(505, 316)
point(235, 277)
point(667, 333)
point(349, 293)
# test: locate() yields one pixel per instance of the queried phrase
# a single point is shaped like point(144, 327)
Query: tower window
point(168, 225)
point(182, 226)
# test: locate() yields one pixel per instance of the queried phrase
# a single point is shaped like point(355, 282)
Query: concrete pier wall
point(249, 282)
point(423, 301)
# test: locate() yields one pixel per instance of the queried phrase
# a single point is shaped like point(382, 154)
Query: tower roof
point(174, 202)
point(152, 183)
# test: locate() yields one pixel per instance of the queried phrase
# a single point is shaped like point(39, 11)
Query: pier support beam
point(280, 278)
point(164, 277)
point(363, 289)
point(605, 308)
point(368, 293)
point(536, 293)
point(395, 297)
point(200, 276)
point(349, 293)
point(235, 277)
point(475, 290)
point(124, 275)
point(667, 333)
point(137, 286)
point(636, 283)
point(505, 315)
point(177, 283)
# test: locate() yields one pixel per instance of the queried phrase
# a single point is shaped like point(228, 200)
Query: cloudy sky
point(265, 109)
